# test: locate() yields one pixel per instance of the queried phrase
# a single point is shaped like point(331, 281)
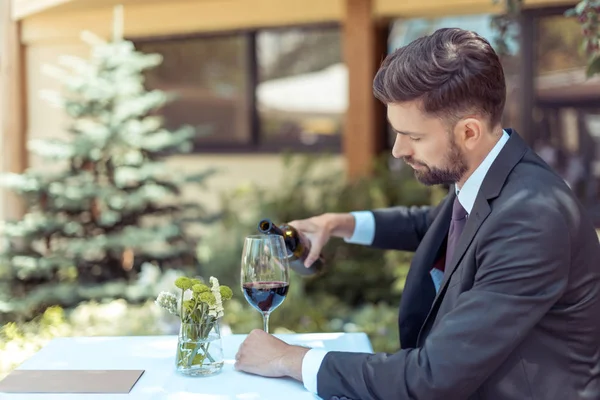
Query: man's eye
point(415, 139)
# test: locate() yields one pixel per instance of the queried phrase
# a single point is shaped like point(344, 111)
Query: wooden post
point(364, 49)
point(12, 107)
point(527, 75)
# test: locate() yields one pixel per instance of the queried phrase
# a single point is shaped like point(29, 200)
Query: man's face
point(426, 144)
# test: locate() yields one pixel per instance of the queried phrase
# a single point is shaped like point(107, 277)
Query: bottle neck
point(267, 227)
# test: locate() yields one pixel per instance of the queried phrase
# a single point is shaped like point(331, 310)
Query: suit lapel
point(419, 291)
point(436, 234)
point(507, 159)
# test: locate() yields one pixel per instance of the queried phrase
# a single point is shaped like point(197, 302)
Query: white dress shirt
point(364, 233)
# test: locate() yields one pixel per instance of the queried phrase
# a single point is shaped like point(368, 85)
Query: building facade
point(261, 77)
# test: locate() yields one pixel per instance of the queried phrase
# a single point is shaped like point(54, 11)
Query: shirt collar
point(468, 193)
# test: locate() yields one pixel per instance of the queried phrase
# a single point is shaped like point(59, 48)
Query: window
point(265, 90)
point(208, 76)
point(558, 45)
point(302, 91)
point(560, 64)
point(567, 106)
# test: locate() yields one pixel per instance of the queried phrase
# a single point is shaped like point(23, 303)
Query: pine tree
point(112, 205)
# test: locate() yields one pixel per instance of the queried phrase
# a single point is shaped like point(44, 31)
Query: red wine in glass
point(265, 296)
point(265, 273)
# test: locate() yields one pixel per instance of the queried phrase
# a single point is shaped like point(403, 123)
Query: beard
point(456, 167)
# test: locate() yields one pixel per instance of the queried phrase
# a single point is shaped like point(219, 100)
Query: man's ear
point(468, 132)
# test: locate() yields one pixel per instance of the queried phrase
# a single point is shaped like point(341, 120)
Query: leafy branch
point(503, 24)
point(586, 12)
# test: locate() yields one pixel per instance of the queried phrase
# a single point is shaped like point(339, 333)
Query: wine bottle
point(297, 244)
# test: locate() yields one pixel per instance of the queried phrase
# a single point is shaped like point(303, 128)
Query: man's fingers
point(302, 225)
point(239, 359)
point(245, 361)
point(315, 249)
point(237, 365)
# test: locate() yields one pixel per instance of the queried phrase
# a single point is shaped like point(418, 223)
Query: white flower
point(168, 301)
point(216, 310)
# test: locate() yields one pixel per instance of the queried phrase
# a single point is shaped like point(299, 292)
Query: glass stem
point(266, 322)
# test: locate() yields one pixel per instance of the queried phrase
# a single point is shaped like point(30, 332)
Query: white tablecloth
point(156, 355)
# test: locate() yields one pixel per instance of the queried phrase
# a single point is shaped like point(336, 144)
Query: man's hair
point(452, 72)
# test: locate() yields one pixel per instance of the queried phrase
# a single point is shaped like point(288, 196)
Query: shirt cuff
point(310, 367)
point(364, 228)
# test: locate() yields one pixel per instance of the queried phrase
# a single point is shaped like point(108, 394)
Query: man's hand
point(263, 354)
point(321, 228)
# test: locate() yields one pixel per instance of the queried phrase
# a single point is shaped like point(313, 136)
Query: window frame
point(255, 144)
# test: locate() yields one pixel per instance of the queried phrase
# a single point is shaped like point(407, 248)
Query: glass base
point(206, 369)
point(199, 353)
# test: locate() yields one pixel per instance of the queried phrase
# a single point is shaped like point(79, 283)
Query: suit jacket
point(517, 316)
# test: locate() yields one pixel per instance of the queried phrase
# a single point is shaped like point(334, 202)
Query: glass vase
point(199, 350)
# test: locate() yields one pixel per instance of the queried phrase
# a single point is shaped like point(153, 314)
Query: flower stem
point(181, 306)
point(207, 353)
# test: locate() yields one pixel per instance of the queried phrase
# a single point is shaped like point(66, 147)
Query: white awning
point(325, 91)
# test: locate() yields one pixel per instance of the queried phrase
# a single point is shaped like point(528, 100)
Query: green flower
point(195, 281)
point(208, 298)
point(226, 292)
point(188, 305)
point(200, 288)
point(183, 283)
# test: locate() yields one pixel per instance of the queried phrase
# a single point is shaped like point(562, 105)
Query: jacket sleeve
point(402, 228)
point(522, 271)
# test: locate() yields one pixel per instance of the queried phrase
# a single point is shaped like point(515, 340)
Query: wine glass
point(265, 273)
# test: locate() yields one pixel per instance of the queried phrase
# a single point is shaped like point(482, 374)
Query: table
point(156, 355)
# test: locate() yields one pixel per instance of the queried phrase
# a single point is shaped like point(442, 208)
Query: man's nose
point(401, 147)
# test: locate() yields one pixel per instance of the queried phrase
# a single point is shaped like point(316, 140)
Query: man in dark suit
point(502, 300)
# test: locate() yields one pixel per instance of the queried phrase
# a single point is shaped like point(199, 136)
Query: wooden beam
point(143, 19)
point(12, 106)
point(527, 48)
point(439, 8)
point(27, 8)
point(364, 49)
point(433, 8)
point(23, 8)
point(548, 3)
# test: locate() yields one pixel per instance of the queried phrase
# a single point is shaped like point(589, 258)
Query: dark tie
point(457, 224)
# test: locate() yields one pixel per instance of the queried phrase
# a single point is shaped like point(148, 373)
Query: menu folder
point(70, 381)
